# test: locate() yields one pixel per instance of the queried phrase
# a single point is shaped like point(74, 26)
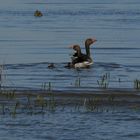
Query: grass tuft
point(137, 84)
point(104, 81)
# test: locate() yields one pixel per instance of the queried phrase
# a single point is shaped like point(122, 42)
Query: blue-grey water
point(72, 125)
point(29, 44)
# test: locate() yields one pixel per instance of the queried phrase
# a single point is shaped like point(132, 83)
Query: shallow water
point(28, 44)
point(70, 124)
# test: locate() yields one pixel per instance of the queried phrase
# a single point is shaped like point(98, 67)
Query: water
point(28, 44)
point(70, 125)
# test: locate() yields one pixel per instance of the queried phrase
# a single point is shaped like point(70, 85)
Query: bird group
point(79, 59)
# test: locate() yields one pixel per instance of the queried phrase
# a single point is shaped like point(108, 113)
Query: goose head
point(90, 41)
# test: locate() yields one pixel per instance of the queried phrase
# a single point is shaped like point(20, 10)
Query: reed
point(9, 94)
point(111, 98)
point(40, 102)
point(28, 105)
point(14, 112)
point(104, 81)
point(137, 84)
point(78, 82)
point(135, 107)
point(46, 86)
point(91, 104)
point(3, 109)
point(51, 102)
point(1, 75)
point(45, 102)
point(99, 105)
point(49, 86)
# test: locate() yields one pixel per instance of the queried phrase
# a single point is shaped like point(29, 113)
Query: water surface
point(70, 124)
point(28, 44)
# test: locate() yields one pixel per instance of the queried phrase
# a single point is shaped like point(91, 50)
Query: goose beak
point(70, 47)
point(94, 39)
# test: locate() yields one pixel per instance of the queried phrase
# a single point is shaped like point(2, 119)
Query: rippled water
point(28, 44)
point(70, 124)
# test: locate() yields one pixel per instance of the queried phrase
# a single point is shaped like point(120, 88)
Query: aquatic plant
point(111, 98)
point(137, 84)
point(45, 102)
point(1, 75)
point(78, 79)
point(51, 102)
point(91, 104)
point(104, 81)
point(98, 104)
point(2, 106)
point(14, 111)
point(44, 86)
point(47, 86)
point(135, 107)
point(78, 82)
point(40, 102)
point(119, 80)
point(10, 94)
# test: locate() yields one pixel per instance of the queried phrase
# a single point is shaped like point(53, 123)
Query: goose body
point(84, 64)
point(81, 60)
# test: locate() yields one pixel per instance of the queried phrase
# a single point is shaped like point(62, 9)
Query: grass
point(14, 111)
point(91, 104)
point(37, 104)
point(78, 82)
point(42, 103)
point(137, 84)
point(98, 104)
point(47, 86)
point(1, 75)
point(104, 81)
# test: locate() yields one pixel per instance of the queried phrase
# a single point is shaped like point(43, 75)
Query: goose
point(88, 42)
point(80, 60)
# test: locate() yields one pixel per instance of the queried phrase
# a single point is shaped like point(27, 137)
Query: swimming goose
point(80, 60)
point(88, 42)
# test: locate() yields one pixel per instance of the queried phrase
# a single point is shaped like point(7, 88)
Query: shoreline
point(40, 102)
point(122, 96)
